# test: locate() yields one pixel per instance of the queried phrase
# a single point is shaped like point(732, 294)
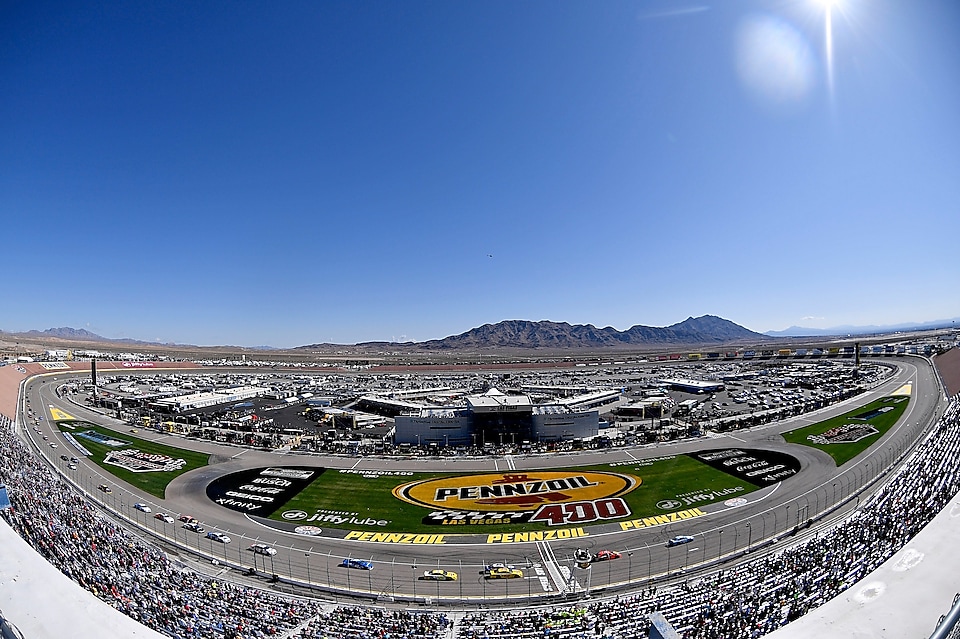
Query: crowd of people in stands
point(745, 601)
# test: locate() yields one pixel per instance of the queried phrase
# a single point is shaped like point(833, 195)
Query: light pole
point(749, 536)
point(720, 545)
point(414, 583)
point(307, 555)
point(329, 583)
point(630, 567)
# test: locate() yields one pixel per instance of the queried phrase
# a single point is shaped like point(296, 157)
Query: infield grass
point(678, 478)
point(154, 483)
point(883, 414)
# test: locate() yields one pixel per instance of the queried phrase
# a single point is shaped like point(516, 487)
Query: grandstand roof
point(494, 400)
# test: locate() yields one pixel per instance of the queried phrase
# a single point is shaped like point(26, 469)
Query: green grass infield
point(845, 436)
point(151, 471)
point(352, 498)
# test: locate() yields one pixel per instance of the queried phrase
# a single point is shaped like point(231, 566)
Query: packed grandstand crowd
point(744, 601)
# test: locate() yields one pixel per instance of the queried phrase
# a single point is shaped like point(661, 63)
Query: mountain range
point(799, 331)
point(525, 334)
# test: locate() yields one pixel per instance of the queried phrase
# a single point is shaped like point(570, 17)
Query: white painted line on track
point(238, 454)
point(357, 463)
point(556, 572)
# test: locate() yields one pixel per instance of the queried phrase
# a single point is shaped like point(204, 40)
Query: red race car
point(606, 555)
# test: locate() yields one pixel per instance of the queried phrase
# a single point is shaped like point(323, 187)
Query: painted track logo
point(513, 492)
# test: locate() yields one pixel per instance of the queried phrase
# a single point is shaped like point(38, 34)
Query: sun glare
point(829, 6)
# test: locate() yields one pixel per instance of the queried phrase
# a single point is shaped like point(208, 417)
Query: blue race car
point(359, 564)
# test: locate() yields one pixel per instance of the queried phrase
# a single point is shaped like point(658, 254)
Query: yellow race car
point(504, 573)
point(439, 575)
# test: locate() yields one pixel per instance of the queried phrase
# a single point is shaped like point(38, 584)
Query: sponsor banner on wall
point(261, 491)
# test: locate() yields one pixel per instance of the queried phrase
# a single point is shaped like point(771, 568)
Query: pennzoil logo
point(514, 491)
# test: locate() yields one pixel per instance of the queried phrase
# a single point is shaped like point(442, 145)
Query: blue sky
point(289, 173)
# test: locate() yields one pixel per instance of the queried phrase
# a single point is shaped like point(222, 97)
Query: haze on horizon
point(264, 174)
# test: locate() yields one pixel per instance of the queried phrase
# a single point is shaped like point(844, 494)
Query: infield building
point(496, 418)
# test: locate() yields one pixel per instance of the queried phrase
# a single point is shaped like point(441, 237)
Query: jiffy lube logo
point(551, 497)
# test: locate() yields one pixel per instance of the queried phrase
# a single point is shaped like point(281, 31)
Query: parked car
point(360, 564)
point(439, 575)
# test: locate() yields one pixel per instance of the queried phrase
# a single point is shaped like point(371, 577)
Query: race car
point(164, 517)
point(187, 518)
point(262, 549)
point(104, 488)
point(494, 566)
point(680, 539)
point(504, 573)
point(360, 564)
point(142, 507)
point(606, 555)
point(439, 575)
point(216, 536)
point(195, 527)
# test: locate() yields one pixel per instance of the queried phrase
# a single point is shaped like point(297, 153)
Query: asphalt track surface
point(772, 517)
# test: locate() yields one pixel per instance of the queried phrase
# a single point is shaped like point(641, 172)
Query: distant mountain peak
point(800, 331)
point(546, 334)
point(65, 332)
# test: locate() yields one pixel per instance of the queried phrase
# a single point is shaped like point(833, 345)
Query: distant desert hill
point(525, 334)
